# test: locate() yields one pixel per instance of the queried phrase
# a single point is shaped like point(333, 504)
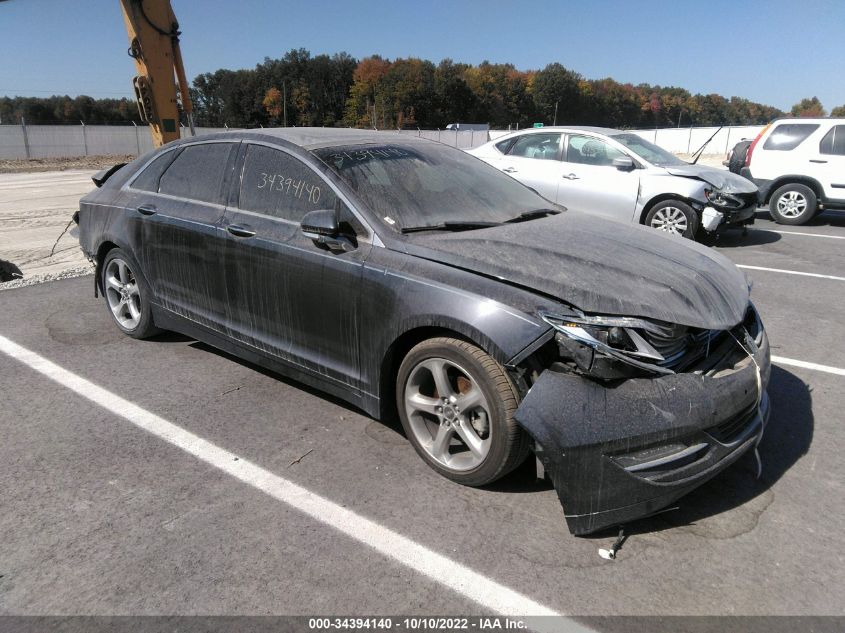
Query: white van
point(799, 167)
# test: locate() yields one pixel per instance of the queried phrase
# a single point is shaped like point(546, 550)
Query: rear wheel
point(793, 204)
point(673, 216)
point(127, 295)
point(456, 404)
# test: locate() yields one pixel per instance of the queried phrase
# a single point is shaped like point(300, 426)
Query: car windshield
point(648, 151)
point(413, 185)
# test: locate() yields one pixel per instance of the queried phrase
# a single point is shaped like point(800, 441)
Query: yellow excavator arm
point(160, 84)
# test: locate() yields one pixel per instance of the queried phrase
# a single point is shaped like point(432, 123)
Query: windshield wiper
point(530, 215)
point(455, 225)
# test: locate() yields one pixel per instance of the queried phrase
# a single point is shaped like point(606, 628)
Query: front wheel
point(456, 404)
point(673, 216)
point(793, 204)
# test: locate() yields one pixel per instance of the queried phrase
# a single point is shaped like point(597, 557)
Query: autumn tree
point(838, 111)
point(808, 108)
point(272, 102)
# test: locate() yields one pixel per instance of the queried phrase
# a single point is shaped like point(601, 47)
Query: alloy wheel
point(122, 293)
point(448, 414)
point(792, 204)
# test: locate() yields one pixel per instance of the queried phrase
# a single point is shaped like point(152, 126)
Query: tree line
point(338, 90)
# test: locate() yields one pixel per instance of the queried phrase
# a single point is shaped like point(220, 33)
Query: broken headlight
point(607, 346)
point(722, 200)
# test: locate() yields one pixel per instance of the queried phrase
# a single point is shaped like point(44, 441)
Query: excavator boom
point(160, 83)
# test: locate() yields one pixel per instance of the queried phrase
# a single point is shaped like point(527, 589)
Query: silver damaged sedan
point(622, 176)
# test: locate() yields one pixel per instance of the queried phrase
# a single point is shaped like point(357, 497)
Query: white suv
point(799, 167)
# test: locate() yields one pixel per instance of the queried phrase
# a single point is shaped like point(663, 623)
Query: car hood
point(724, 180)
point(601, 266)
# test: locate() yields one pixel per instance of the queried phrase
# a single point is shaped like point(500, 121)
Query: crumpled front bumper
point(621, 451)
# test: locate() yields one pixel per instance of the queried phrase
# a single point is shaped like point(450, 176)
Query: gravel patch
point(68, 273)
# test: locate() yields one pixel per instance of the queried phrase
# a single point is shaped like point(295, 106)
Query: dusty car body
point(638, 364)
point(622, 176)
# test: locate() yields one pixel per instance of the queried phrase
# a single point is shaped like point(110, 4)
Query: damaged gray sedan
point(413, 280)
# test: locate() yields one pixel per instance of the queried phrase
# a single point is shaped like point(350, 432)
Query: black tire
point(144, 327)
point(508, 443)
point(655, 216)
point(793, 204)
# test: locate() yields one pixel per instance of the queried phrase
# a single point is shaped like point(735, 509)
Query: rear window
point(787, 136)
point(834, 141)
point(198, 173)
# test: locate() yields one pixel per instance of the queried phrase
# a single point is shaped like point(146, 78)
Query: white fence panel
point(12, 142)
point(77, 140)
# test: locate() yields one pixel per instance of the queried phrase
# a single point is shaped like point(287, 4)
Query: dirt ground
point(38, 241)
point(19, 166)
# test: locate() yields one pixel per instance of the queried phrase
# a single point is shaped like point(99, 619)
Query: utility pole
point(285, 101)
point(555, 121)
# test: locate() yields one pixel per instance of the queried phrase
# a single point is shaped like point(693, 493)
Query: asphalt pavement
point(102, 517)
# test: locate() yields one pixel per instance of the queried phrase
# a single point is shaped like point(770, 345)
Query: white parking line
point(830, 237)
point(459, 578)
point(780, 360)
point(791, 272)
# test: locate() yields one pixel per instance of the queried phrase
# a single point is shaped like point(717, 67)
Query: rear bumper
point(621, 451)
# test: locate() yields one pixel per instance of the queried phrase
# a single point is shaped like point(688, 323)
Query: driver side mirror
point(322, 226)
point(623, 163)
point(320, 222)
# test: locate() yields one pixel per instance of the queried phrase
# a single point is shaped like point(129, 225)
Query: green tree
point(838, 111)
point(558, 87)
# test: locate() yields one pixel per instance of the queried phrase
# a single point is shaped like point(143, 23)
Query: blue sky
point(774, 52)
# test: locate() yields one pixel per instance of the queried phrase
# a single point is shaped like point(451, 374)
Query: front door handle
point(240, 231)
point(509, 170)
point(570, 176)
point(147, 209)
point(813, 160)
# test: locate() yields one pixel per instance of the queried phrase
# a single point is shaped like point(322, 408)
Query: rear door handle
point(570, 176)
point(813, 160)
point(509, 170)
point(147, 209)
point(240, 231)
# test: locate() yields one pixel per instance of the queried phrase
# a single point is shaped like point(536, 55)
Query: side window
point(591, 151)
point(834, 141)
point(279, 185)
point(504, 146)
point(148, 179)
point(198, 173)
point(542, 146)
point(787, 136)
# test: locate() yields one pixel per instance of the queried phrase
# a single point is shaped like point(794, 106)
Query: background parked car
point(621, 175)
point(799, 166)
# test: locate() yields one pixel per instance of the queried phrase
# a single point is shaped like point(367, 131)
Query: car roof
point(314, 137)
point(826, 119)
point(608, 131)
